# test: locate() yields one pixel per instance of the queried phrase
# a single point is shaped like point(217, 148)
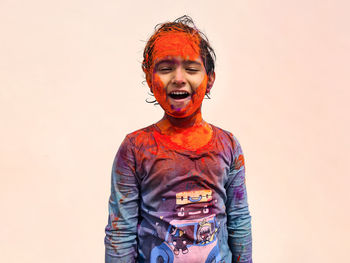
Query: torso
point(183, 194)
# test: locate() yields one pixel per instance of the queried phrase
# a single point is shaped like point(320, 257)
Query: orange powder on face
point(196, 99)
point(176, 44)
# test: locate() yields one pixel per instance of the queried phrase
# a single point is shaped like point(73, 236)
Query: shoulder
point(143, 131)
point(231, 146)
point(141, 136)
point(226, 137)
point(134, 142)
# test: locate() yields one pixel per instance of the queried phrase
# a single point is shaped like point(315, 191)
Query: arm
point(121, 231)
point(238, 217)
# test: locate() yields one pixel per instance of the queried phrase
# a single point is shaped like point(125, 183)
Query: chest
point(171, 169)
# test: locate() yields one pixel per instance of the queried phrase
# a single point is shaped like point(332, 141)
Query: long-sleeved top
point(170, 204)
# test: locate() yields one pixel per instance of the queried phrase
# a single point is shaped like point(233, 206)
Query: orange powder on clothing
point(194, 138)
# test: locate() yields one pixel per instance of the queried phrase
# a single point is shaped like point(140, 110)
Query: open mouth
point(178, 95)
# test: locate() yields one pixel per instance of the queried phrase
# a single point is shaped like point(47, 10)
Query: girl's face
point(179, 81)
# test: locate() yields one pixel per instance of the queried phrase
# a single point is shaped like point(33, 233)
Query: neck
point(171, 123)
point(190, 133)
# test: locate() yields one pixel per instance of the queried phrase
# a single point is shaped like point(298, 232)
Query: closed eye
point(192, 70)
point(165, 66)
point(165, 69)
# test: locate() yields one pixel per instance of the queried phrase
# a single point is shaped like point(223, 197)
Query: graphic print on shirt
point(192, 236)
point(192, 203)
point(205, 232)
point(179, 241)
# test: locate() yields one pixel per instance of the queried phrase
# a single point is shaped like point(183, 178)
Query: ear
point(149, 81)
point(211, 79)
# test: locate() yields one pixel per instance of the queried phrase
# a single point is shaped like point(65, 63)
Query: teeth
point(179, 92)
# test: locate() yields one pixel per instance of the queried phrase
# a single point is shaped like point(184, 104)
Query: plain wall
point(71, 88)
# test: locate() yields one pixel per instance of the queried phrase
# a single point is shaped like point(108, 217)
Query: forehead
point(178, 60)
point(176, 44)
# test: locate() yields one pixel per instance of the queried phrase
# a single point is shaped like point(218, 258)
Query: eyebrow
point(165, 61)
point(185, 62)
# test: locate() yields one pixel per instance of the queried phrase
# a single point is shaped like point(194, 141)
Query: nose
point(179, 78)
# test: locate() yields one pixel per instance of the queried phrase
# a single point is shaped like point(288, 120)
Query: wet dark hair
point(182, 24)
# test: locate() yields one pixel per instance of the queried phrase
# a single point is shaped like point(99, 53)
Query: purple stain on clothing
point(238, 192)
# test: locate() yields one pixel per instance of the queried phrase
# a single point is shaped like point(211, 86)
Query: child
point(178, 186)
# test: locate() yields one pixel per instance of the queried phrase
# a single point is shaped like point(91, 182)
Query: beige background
point(71, 89)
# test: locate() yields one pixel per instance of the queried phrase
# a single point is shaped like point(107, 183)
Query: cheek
point(158, 89)
point(157, 84)
point(200, 92)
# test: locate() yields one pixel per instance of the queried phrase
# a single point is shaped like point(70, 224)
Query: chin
point(178, 114)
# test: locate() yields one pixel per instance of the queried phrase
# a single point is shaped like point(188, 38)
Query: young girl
point(178, 186)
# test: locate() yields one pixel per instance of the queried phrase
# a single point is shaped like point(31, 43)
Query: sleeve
point(121, 230)
point(238, 216)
